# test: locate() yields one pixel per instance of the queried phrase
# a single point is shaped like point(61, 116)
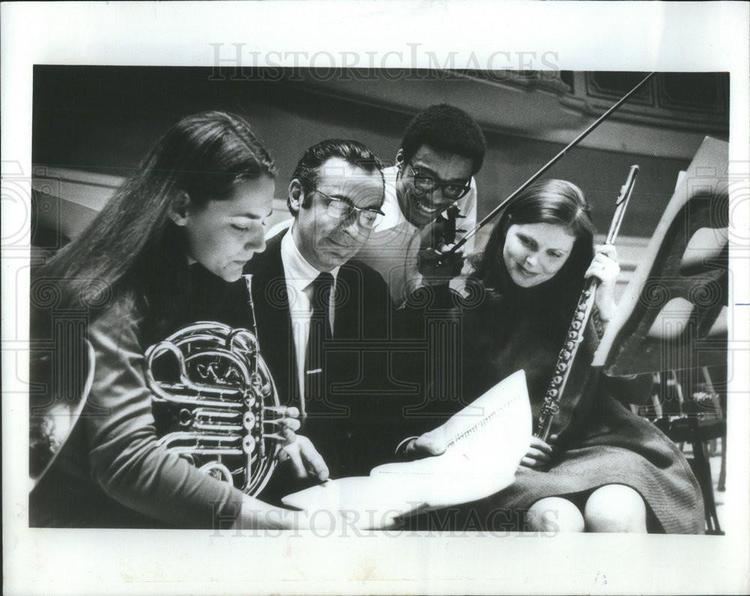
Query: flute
point(574, 336)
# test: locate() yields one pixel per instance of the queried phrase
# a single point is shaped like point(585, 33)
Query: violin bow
point(492, 214)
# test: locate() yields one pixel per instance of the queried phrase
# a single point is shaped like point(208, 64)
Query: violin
point(434, 239)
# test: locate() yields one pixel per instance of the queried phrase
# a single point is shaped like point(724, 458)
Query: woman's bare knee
point(554, 514)
point(615, 508)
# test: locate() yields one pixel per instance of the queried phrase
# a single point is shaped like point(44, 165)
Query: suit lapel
point(273, 319)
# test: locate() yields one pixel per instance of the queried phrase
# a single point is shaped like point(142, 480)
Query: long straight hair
point(203, 155)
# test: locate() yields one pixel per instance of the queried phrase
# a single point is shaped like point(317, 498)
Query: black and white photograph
point(418, 319)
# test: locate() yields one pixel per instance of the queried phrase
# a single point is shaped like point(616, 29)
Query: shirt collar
point(393, 216)
point(298, 271)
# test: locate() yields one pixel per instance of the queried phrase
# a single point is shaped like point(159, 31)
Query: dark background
point(104, 119)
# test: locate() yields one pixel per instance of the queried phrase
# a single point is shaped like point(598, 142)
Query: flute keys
point(550, 408)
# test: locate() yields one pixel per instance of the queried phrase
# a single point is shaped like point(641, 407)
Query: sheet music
point(484, 445)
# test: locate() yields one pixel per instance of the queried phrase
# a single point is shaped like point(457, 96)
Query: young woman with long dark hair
point(168, 249)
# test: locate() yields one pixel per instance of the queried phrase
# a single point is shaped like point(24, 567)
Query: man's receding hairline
point(320, 176)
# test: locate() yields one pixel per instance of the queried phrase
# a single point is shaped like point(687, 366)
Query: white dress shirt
point(299, 276)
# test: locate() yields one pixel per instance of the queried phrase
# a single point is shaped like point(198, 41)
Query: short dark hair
point(308, 167)
point(447, 129)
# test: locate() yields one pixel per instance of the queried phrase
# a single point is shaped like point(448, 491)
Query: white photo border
point(634, 36)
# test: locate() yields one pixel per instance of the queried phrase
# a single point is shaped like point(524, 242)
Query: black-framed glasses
point(425, 183)
point(343, 209)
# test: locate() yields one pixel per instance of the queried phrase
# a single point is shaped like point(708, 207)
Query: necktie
point(320, 330)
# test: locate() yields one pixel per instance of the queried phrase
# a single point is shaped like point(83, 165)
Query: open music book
point(484, 444)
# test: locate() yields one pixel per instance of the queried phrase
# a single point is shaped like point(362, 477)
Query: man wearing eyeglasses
point(442, 149)
point(319, 312)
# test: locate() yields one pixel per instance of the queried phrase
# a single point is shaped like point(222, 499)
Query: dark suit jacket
point(356, 425)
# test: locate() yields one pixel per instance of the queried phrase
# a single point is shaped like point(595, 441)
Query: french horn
point(215, 402)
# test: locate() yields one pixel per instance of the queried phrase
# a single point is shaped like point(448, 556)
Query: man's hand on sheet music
point(540, 453)
point(304, 459)
point(426, 445)
point(472, 455)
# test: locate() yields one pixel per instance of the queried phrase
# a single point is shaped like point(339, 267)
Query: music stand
point(673, 314)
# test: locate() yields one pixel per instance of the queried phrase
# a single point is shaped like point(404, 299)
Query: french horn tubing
point(215, 402)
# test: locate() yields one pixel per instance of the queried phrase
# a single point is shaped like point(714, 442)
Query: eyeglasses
point(344, 210)
point(429, 184)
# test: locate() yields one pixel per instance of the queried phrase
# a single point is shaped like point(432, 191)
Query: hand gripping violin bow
point(566, 356)
point(499, 208)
